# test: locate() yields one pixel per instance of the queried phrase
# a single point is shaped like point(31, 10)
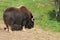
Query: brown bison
point(19, 16)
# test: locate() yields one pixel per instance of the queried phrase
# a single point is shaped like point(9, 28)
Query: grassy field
point(42, 10)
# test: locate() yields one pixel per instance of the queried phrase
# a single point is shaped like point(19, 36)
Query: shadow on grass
point(52, 16)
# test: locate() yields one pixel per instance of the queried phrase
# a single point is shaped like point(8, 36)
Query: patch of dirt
point(35, 33)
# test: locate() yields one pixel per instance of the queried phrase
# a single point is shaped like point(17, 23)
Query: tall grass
point(42, 11)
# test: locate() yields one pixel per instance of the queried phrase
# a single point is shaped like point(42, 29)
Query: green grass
point(41, 10)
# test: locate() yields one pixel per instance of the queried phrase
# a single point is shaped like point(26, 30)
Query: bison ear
point(33, 19)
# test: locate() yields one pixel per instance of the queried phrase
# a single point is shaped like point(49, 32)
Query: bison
point(19, 16)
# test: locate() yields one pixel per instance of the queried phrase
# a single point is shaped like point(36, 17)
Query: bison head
point(30, 22)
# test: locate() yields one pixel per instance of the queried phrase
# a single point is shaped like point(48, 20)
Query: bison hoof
point(24, 29)
point(6, 29)
point(10, 31)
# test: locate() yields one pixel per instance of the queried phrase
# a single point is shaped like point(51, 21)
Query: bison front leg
point(24, 28)
point(24, 23)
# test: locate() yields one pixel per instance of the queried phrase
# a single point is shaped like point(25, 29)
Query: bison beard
point(19, 16)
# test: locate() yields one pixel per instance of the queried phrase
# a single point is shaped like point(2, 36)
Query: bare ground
point(35, 33)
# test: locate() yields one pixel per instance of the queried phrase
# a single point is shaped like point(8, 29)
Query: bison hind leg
point(6, 28)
